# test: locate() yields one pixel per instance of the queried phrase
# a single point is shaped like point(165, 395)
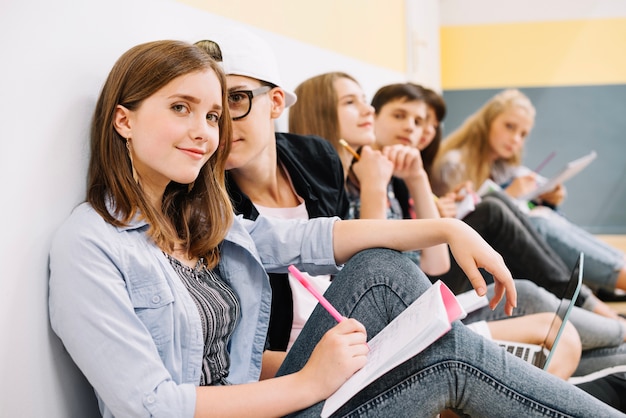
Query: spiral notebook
point(538, 354)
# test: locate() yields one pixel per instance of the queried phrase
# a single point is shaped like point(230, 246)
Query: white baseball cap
point(246, 54)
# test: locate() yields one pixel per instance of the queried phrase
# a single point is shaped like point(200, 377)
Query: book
point(488, 186)
point(467, 205)
point(423, 322)
point(570, 170)
point(471, 302)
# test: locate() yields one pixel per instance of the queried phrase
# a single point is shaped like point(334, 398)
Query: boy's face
point(255, 132)
point(400, 122)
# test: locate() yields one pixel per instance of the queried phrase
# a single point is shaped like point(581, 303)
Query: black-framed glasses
point(240, 101)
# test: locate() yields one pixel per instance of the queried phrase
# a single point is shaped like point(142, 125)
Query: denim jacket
point(129, 323)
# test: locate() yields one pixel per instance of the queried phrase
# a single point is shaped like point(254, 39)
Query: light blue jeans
point(602, 338)
point(602, 261)
point(461, 370)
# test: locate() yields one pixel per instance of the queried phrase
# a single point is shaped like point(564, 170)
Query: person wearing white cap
point(273, 173)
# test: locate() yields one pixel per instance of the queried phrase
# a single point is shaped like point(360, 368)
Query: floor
point(618, 241)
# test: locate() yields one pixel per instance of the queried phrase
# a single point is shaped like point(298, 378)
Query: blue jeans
point(602, 338)
point(567, 240)
point(602, 262)
point(461, 370)
point(525, 252)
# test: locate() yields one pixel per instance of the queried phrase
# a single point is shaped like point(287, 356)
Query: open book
point(570, 170)
point(418, 326)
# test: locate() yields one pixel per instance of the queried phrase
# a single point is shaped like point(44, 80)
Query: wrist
point(310, 390)
point(419, 176)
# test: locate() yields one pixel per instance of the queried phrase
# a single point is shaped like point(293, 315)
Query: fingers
point(504, 286)
point(373, 166)
point(341, 352)
point(403, 157)
point(350, 325)
point(475, 253)
point(555, 196)
point(477, 280)
point(465, 186)
point(446, 205)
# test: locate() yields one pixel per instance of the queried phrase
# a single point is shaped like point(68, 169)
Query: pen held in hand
point(322, 300)
point(545, 162)
point(351, 150)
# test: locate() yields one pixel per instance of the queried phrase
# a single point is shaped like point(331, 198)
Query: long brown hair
point(315, 112)
point(195, 220)
point(472, 137)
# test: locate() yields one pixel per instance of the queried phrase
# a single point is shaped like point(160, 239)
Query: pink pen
point(323, 301)
point(544, 162)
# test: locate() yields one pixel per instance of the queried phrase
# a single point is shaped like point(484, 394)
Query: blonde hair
point(472, 137)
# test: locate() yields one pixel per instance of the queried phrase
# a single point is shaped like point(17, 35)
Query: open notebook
point(538, 354)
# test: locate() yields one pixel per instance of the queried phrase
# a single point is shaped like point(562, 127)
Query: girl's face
point(430, 129)
point(508, 131)
point(356, 116)
point(174, 132)
point(400, 122)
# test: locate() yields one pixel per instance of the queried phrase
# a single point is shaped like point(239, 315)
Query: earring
point(132, 166)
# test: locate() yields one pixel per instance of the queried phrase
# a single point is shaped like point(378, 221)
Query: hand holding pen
point(340, 353)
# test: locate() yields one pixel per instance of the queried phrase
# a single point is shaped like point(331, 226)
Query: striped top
point(219, 311)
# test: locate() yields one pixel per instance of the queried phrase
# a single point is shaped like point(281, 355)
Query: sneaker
point(617, 295)
point(608, 385)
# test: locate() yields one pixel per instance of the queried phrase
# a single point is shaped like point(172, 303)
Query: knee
point(531, 295)
point(498, 212)
point(383, 260)
point(526, 290)
point(384, 265)
point(568, 354)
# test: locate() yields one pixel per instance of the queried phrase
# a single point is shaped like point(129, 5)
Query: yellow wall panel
point(582, 52)
point(369, 30)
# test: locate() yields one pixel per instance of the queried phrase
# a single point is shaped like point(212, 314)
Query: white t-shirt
point(303, 301)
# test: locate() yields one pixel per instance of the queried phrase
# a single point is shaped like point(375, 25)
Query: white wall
point(56, 55)
point(476, 12)
point(423, 47)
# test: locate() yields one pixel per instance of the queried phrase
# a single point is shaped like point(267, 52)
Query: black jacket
point(317, 175)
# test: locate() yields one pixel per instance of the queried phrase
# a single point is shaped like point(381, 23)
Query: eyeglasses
point(240, 101)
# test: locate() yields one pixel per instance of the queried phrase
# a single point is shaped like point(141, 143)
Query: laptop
point(538, 354)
